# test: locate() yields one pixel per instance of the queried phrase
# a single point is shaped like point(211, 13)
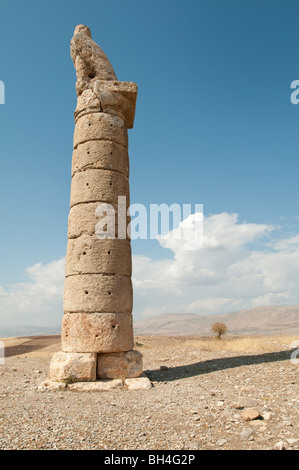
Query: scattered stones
point(81, 415)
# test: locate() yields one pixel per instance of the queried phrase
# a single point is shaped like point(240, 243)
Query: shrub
point(219, 328)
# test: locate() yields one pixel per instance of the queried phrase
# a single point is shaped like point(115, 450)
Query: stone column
point(97, 328)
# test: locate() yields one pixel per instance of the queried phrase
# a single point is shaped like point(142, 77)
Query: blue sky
point(214, 125)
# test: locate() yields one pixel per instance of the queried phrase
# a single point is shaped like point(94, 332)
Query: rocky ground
point(199, 400)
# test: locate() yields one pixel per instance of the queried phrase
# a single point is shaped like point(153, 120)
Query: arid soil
point(199, 400)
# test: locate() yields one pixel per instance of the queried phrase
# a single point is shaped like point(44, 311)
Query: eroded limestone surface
point(90, 61)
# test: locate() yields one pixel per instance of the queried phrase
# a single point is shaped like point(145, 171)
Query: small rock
point(236, 406)
point(140, 383)
point(194, 446)
point(259, 423)
point(220, 403)
point(250, 414)
point(51, 385)
point(245, 389)
point(267, 415)
point(163, 368)
point(279, 446)
point(246, 433)
point(249, 403)
point(221, 442)
point(292, 441)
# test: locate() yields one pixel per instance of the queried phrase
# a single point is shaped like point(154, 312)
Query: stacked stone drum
point(97, 328)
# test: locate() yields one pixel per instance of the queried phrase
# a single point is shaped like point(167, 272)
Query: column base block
point(139, 383)
point(96, 372)
point(73, 367)
point(119, 365)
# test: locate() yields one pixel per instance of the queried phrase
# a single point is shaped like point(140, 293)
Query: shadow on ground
point(213, 365)
point(34, 343)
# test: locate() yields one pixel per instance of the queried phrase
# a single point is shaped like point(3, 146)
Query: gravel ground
point(197, 401)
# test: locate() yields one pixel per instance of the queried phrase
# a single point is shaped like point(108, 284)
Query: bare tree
point(219, 328)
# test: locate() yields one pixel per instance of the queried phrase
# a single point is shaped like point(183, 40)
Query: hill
point(254, 321)
point(13, 331)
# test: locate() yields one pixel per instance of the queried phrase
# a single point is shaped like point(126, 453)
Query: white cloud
point(36, 302)
point(227, 274)
point(241, 265)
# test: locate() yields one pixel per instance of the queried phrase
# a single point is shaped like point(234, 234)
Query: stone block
point(74, 367)
point(100, 126)
point(85, 219)
point(117, 98)
point(97, 332)
point(89, 255)
point(89, 293)
point(99, 386)
point(119, 365)
point(101, 154)
point(99, 185)
point(87, 102)
point(140, 383)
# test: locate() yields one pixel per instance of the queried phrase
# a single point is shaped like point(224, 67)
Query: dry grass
point(246, 344)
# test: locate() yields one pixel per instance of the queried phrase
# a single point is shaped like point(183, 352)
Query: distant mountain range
point(253, 321)
point(15, 332)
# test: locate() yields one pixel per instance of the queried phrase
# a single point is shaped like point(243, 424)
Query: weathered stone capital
point(117, 98)
point(90, 61)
